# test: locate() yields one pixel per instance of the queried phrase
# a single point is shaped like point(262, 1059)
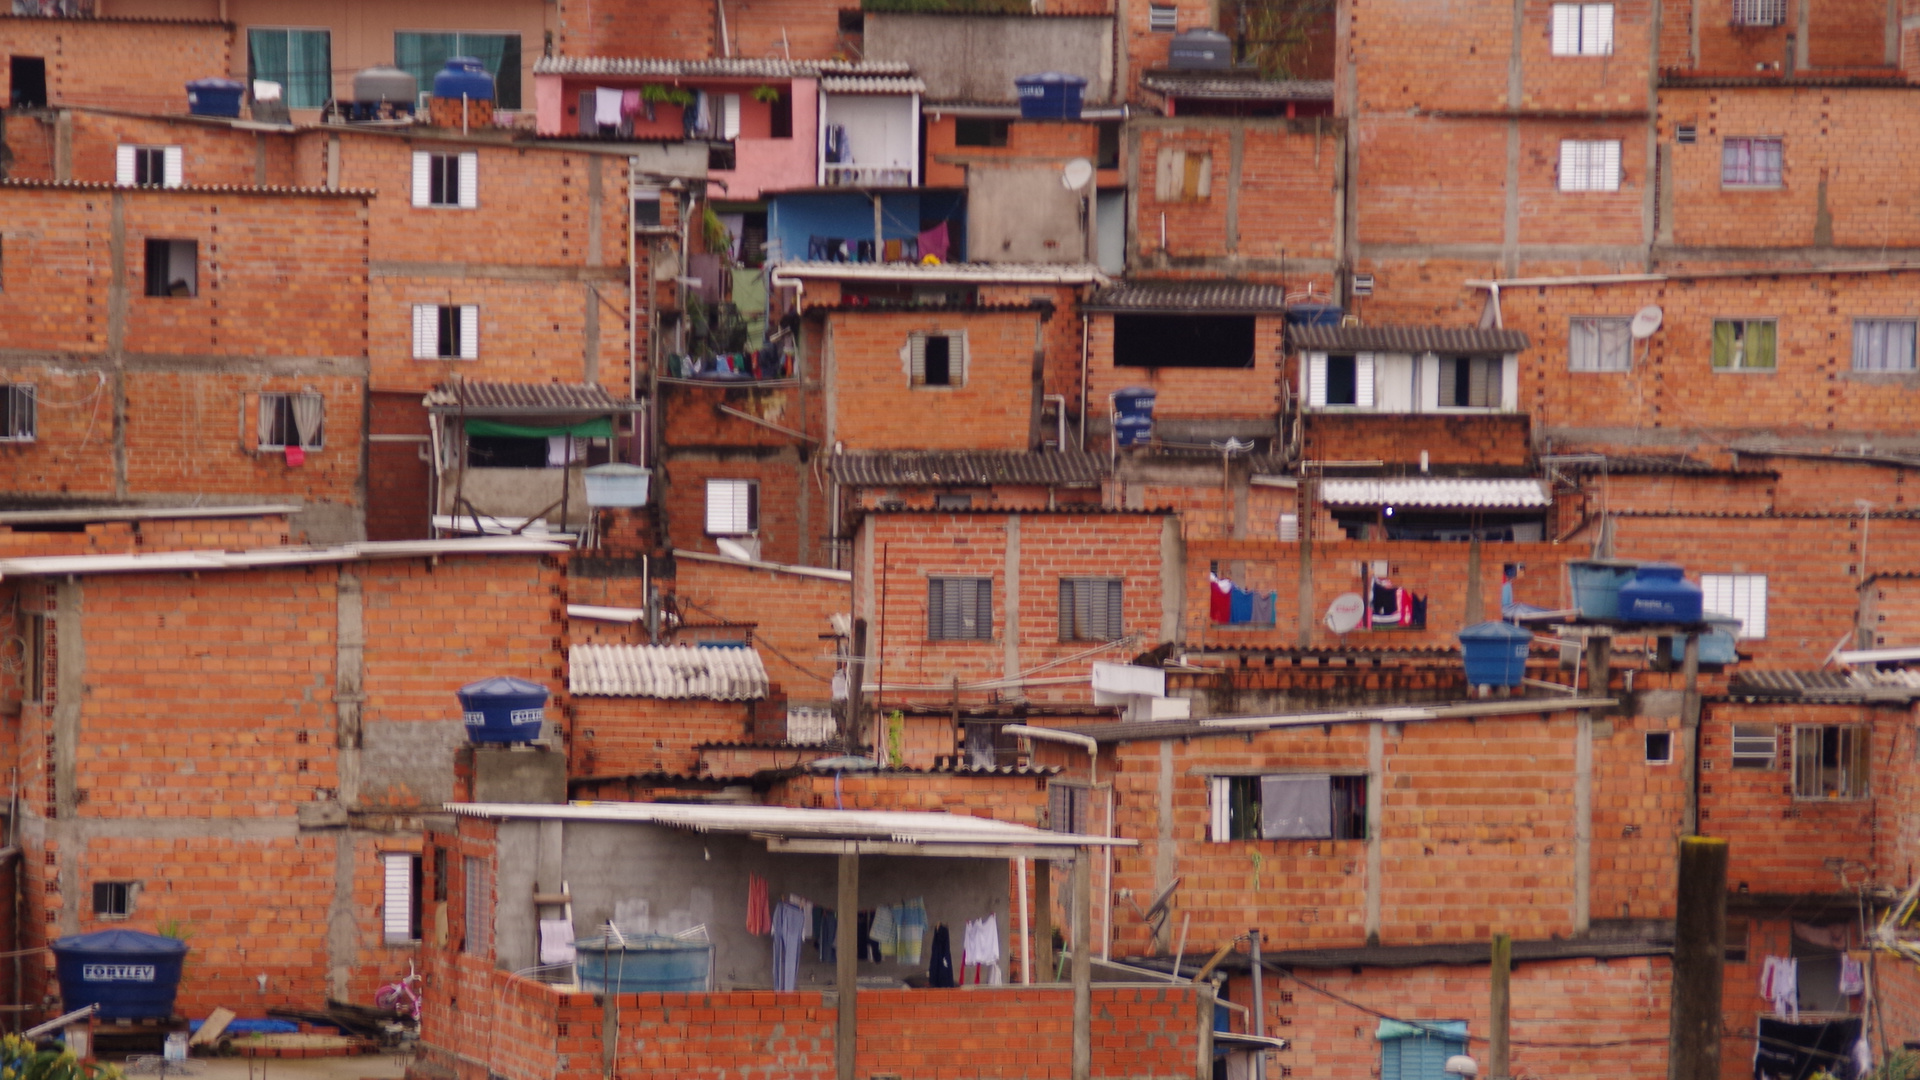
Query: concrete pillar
point(846, 968)
point(1083, 965)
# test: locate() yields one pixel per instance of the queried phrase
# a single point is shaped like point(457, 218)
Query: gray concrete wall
point(977, 57)
point(685, 878)
point(1023, 215)
point(408, 762)
point(517, 492)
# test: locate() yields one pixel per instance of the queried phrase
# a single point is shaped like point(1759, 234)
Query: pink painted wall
point(763, 164)
point(548, 103)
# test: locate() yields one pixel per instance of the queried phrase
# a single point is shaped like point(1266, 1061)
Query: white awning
point(1479, 493)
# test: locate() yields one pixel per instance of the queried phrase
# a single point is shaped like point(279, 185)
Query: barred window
point(1590, 165)
point(1759, 12)
point(17, 413)
point(1582, 29)
point(1749, 162)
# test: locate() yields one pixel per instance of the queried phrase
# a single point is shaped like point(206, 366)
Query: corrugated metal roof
point(193, 189)
point(793, 822)
point(1447, 953)
point(887, 469)
point(965, 273)
point(873, 84)
point(1437, 492)
point(167, 562)
point(1891, 79)
point(1228, 88)
point(731, 67)
point(509, 399)
point(667, 671)
point(1463, 340)
point(1839, 687)
point(1662, 464)
point(1148, 730)
point(1201, 297)
point(53, 515)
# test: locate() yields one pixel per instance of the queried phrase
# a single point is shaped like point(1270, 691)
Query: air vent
point(1686, 134)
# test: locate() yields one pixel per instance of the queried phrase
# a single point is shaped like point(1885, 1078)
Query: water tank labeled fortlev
point(130, 975)
point(1201, 50)
point(1050, 95)
point(1133, 419)
point(464, 76)
point(215, 97)
point(1496, 653)
point(503, 709)
point(390, 84)
point(1659, 593)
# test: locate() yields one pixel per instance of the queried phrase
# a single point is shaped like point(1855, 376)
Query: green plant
point(19, 1060)
point(1899, 1065)
point(1280, 34)
point(766, 95)
point(175, 929)
point(661, 94)
point(896, 737)
point(716, 236)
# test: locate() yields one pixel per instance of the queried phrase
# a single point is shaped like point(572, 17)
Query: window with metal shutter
point(469, 180)
point(174, 172)
point(479, 914)
point(733, 507)
point(1596, 29)
point(469, 332)
point(123, 165)
point(1743, 596)
point(1363, 381)
point(960, 608)
point(399, 916)
point(1317, 380)
point(1090, 609)
point(729, 116)
point(1566, 29)
point(426, 331)
point(422, 179)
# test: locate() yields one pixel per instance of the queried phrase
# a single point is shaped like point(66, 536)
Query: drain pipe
point(1085, 319)
point(1087, 743)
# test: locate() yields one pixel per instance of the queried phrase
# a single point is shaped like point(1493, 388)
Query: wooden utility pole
point(846, 965)
point(1497, 1039)
point(1699, 950)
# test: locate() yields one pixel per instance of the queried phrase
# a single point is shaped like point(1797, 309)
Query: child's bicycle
point(402, 997)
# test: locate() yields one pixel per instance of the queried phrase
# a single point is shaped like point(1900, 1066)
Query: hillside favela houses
point(905, 540)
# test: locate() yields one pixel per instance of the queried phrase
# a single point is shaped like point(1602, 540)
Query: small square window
point(1744, 344)
point(1599, 344)
point(1590, 165)
point(960, 608)
point(733, 507)
point(1583, 29)
point(1759, 12)
point(1659, 747)
point(113, 899)
point(446, 179)
point(1743, 596)
point(1830, 761)
point(18, 413)
point(1750, 162)
point(1163, 18)
point(1091, 609)
point(446, 331)
point(292, 420)
point(1754, 746)
point(173, 268)
point(937, 359)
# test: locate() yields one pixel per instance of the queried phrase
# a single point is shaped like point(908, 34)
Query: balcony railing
point(868, 176)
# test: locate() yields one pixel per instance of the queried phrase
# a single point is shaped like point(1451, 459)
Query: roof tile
point(498, 398)
point(667, 671)
point(1222, 297)
point(944, 469)
point(1467, 340)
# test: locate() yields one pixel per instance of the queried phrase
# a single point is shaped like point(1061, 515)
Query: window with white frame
point(1754, 746)
point(1583, 29)
point(1163, 18)
point(1883, 344)
point(1659, 747)
point(1743, 596)
point(1471, 382)
point(937, 359)
point(1589, 165)
point(1340, 380)
point(1091, 609)
point(1759, 12)
point(733, 507)
point(147, 166)
point(478, 940)
point(18, 420)
point(1751, 162)
point(291, 420)
point(446, 331)
point(1745, 344)
point(1288, 806)
point(1599, 344)
point(400, 909)
point(1830, 761)
point(960, 608)
point(446, 179)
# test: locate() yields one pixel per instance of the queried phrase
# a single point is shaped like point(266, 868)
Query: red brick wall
point(194, 432)
point(1400, 439)
point(1051, 546)
point(789, 612)
point(874, 407)
point(213, 153)
point(399, 482)
point(1284, 203)
point(682, 485)
point(630, 736)
point(1027, 144)
point(1015, 798)
point(1891, 607)
point(637, 28)
point(112, 62)
point(1190, 393)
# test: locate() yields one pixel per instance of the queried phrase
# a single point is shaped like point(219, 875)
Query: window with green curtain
point(1744, 344)
point(423, 53)
point(301, 61)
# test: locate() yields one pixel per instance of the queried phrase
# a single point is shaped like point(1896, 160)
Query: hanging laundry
point(836, 144)
point(629, 104)
point(1853, 977)
point(981, 951)
point(934, 242)
point(1383, 607)
point(1240, 606)
point(556, 941)
point(296, 455)
point(891, 250)
point(826, 931)
point(1220, 599)
point(1418, 607)
point(910, 928)
point(940, 971)
point(1263, 608)
point(788, 924)
point(1780, 985)
point(883, 936)
point(865, 948)
point(759, 918)
point(606, 107)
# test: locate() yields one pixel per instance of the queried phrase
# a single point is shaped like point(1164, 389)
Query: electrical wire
point(762, 643)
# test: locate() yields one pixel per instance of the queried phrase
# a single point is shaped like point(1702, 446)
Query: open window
point(446, 180)
point(937, 359)
point(173, 268)
point(291, 420)
point(446, 331)
point(1340, 380)
point(400, 910)
point(147, 166)
point(1471, 382)
point(1183, 341)
point(1830, 761)
point(27, 80)
point(113, 899)
point(733, 507)
point(1289, 806)
point(18, 415)
point(980, 131)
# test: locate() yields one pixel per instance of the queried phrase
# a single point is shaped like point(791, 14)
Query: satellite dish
point(1077, 174)
point(1157, 911)
point(1345, 613)
point(1646, 321)
point(733, 549)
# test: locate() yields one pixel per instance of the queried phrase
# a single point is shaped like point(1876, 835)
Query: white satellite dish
point(733, 549)
point(1345, 613)
point(1077, 174)
point(1646, 321)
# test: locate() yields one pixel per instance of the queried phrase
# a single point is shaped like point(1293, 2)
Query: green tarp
point(600, 427)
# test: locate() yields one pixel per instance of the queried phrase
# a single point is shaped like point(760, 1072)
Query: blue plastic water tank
point(1133, 424)
point(130, 975)
point(215, 97)
point(1050, 95)
point(1315, 315)
point(1597, 584)
point(643, 964)
point(463, 76)
point(503, 709)
point(1659, 593)
point(1496, 653)
point(1717, 646)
